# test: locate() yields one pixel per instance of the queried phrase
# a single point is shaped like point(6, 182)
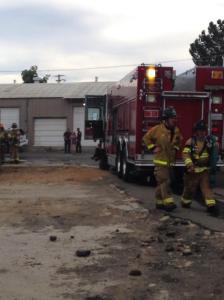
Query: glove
point(190, 168)
point(156, 150)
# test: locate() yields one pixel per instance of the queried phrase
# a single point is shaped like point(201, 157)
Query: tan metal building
point(45, 111)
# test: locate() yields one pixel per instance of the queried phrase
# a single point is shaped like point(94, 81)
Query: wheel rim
point(124, 167)
point(118, 164)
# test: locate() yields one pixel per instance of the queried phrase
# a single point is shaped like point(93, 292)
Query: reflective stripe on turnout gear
point(159, 201)
point(177, 148)
point(204, 155)
point(160, 162)
point(200, 169)
point(210, 202)
point(188, 161)
point(151, 146)
point(187, 150)
point(185, 201)
point(168, 201)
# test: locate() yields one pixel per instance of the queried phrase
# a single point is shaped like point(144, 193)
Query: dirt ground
point(47, 214)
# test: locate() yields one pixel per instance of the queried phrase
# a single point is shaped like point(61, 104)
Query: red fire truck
point(135, 103)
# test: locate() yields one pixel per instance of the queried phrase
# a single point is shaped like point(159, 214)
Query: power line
point(89, 68)
point(94, 68)
point(105, 67)
point(71, 69)
point(176, 60)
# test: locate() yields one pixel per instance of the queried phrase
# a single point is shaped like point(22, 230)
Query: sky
point(82, 39)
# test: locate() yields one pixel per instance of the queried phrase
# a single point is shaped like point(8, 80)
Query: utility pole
point(59, 79)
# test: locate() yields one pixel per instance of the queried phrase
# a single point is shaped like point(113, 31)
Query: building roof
point(76, 90)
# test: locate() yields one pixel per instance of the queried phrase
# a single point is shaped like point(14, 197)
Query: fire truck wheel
point(125, 168)
point(119, 164)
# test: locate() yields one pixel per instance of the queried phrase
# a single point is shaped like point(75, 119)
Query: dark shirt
point(67, 136)
point(79, 136)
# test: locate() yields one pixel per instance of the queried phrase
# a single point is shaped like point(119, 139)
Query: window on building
point(93, 114)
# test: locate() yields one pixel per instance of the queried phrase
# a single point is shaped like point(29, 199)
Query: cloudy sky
point(72, 37)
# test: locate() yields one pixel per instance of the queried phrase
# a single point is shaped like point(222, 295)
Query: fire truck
point(135, 104)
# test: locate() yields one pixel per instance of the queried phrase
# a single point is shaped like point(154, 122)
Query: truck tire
point(126, 168)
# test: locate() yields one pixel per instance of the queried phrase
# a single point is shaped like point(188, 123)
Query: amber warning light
point(217, 74)
point(151, 73)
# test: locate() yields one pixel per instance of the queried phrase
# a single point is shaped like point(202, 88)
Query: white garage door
point(9, 116)
point(49, 132)
point(78, 122)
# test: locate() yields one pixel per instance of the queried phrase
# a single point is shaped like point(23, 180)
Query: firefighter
point(164, 140)
point(98, 151)
point(197, 155)
point(2, 143)
point(14, 138)
point(78, 141)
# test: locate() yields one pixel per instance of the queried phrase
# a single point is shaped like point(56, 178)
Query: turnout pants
point(163, 191)
point(194, 180)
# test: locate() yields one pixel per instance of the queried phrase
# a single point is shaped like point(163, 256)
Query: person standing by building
point(14, 140)
point(67, 141)
point(197, 154)
point(98, 151)
point(73, 141)
point(3, 137)
point(164, 140)
point(78, 141)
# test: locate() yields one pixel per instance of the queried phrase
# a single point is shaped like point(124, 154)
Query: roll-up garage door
point(49, 132)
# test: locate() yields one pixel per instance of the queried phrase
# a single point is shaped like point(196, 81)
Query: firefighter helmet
point(14, 125)
point(169, 112)
point(200, 125)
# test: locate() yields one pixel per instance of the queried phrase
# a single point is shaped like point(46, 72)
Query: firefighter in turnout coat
point(197, 155)
point(164, 140)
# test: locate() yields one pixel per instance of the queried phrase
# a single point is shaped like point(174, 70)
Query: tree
point(28, 76)
point(208, 49)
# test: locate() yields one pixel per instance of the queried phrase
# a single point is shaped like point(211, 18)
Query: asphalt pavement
point(49, 157)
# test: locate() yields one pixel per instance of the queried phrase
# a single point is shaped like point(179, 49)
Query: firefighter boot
point(185, 203)
point(212, 207)
point(169, 204)
point(159, 204)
